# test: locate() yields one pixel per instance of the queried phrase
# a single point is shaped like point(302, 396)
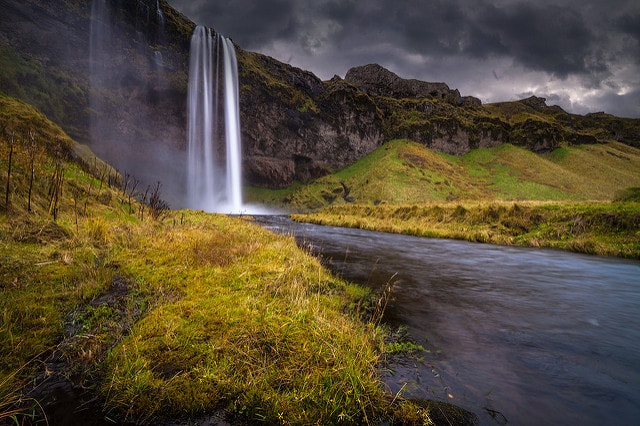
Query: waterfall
point(159, 14)
point(232, 127)
point(214, 174)
point(160, 38)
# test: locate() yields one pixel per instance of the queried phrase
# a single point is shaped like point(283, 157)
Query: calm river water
point(516, 335)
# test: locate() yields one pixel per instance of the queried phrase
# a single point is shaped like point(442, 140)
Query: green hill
point(402, 172)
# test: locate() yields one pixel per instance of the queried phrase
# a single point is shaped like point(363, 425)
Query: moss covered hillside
point(402, 171)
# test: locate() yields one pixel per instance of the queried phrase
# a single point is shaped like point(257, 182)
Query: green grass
point(404, 172)
point(48, 266)
point(629, 194)
point(600, 170)
point(398, 172)
point(269, 197)
point(250, 324)
point(182, 316)
point(508, 172)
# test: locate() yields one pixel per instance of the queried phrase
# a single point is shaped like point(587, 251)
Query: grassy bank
point(611, 228)
point(247, 322)
point(501, 195)
point(143, 314)
point(170, 319)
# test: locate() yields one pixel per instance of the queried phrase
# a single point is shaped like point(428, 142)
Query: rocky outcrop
point(535, 102)
point(379, 81)
point(429, 113)
point(304, 127)
point(441, 119)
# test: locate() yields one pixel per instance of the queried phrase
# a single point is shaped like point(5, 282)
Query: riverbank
point(127, 312)
point(507, 329)
point(180, 318)
point(174, 318)
point(602, 228)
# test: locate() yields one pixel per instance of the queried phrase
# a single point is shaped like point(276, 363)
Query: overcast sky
point(583, 55)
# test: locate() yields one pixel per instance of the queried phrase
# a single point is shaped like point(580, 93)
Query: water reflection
point(523, 335)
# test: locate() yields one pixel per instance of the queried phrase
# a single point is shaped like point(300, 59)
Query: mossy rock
point(443, 413)
point(409, 412)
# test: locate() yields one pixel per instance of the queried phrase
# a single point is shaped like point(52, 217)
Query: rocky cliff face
point(442, 119)
point(122, 89)
point(296, 127)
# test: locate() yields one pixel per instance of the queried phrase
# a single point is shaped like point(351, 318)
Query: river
point(516, 335)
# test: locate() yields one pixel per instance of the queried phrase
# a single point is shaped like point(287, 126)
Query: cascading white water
point(211, 185)
point(159, 14)
point(232, 127)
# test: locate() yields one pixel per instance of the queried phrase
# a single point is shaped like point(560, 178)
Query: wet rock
point(443, 413)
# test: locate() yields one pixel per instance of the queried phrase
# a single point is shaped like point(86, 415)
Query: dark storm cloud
point(250, 23)
point(629, 25)
point(548, 38)
point(572, 46)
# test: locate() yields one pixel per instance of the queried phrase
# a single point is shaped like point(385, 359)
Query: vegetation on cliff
point(52, 91)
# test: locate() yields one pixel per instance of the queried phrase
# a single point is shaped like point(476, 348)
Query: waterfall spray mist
point(214, 179)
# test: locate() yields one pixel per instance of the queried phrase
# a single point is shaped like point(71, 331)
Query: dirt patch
point(413, 160)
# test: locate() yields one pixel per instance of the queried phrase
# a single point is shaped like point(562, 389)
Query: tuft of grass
point(628, 194)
